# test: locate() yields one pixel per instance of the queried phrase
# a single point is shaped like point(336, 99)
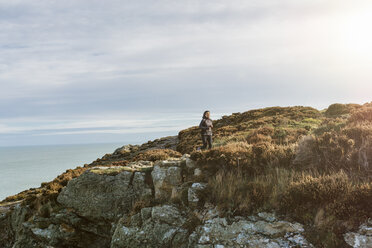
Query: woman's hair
point(205, 112)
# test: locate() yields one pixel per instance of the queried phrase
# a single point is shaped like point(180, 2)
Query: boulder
point(197, 172)
point(96, 194)
point(166, 175)
point(192, 194)
point(217, 232)
point(190, 163)
point(125, 150)
point(362, 238)
point(167, 214)
point(162, 229)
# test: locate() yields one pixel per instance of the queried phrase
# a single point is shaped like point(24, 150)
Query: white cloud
point(78, 57)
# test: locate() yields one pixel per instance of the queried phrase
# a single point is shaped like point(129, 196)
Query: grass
point(307, 165)
point(157, 154)
point(310, 166)
point(238, 126)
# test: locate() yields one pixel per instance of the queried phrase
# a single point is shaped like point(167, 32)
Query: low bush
point(338, 109)
point(354, 205)
point(294, 121)
point(157, 154)
point(234, 194)
point(363, 114)
point(303, 197)
point(252, 158)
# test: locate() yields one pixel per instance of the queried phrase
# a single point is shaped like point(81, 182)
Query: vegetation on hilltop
point(280, 125)
point(308, 165)
point(314, 167)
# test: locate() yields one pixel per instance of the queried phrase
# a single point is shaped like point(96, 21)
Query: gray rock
point(95, 209)
point(167, 214)
point(184, 156)
point(136, 220)
point(267, 216)
point(166, 175)
point(197, 172)
point(124, 150)
point(46, 233)
point(146, 213)
point(162, 230)
point(151, 234)
point(190, 163)
point(244, 233)
point(192, 194)
point(362, 238)
point(105, 196)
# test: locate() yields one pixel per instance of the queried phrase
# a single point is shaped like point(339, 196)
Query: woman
point(206, 130)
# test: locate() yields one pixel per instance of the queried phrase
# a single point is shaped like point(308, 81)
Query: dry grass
point(338, 109)
point(157, 154)
point(311, 166)
point(309, 193)
point(287, 123)
point(335, 203)
point(252, 158)
point(314, 168)
point(238, 193)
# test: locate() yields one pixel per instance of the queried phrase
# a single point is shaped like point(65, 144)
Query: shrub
point(330, 151)
point(356, 204)
point(232, 155)
point(363, 114)
point(236, 192)
point(252, 158)
point(329, 125)
point(337, 109)
point(157, 154)
point(360, 133)
point(233, 193)
point(347, 148)
point(306, 195)
point(239, 125)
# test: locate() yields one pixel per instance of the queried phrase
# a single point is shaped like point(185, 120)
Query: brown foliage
point(363, 114)
point(268, 120)
point(309, 193)
point(346, 148)
point(252, 158)
point(233, 193)
point(355, 204)
point(157, 154)
point(338, 109)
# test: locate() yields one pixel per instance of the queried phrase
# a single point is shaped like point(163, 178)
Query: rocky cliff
point(147, 204)
point(277, 177)
point(129, 206)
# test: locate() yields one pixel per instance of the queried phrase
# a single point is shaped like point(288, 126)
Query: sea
point(25, 167)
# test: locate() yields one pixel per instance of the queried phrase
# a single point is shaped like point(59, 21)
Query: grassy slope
point(309, 165)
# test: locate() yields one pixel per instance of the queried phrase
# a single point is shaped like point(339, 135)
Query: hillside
point(297, 176)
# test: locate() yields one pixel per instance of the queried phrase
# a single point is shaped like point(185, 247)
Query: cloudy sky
point(89, 71)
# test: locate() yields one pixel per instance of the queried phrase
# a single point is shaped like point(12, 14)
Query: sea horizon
point(25, 167)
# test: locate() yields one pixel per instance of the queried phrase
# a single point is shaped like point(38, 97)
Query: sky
point(93, 71)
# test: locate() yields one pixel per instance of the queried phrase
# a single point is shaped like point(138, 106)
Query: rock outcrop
point(361, 238)
point(99, 209)
point(248, 232)
point(165, 226)
point(161, 226)
point(166, 175)
point(104, 192)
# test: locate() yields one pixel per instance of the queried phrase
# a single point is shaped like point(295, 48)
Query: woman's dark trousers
point(207, 141)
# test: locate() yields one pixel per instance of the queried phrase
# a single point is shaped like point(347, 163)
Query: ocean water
point(27, 167)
